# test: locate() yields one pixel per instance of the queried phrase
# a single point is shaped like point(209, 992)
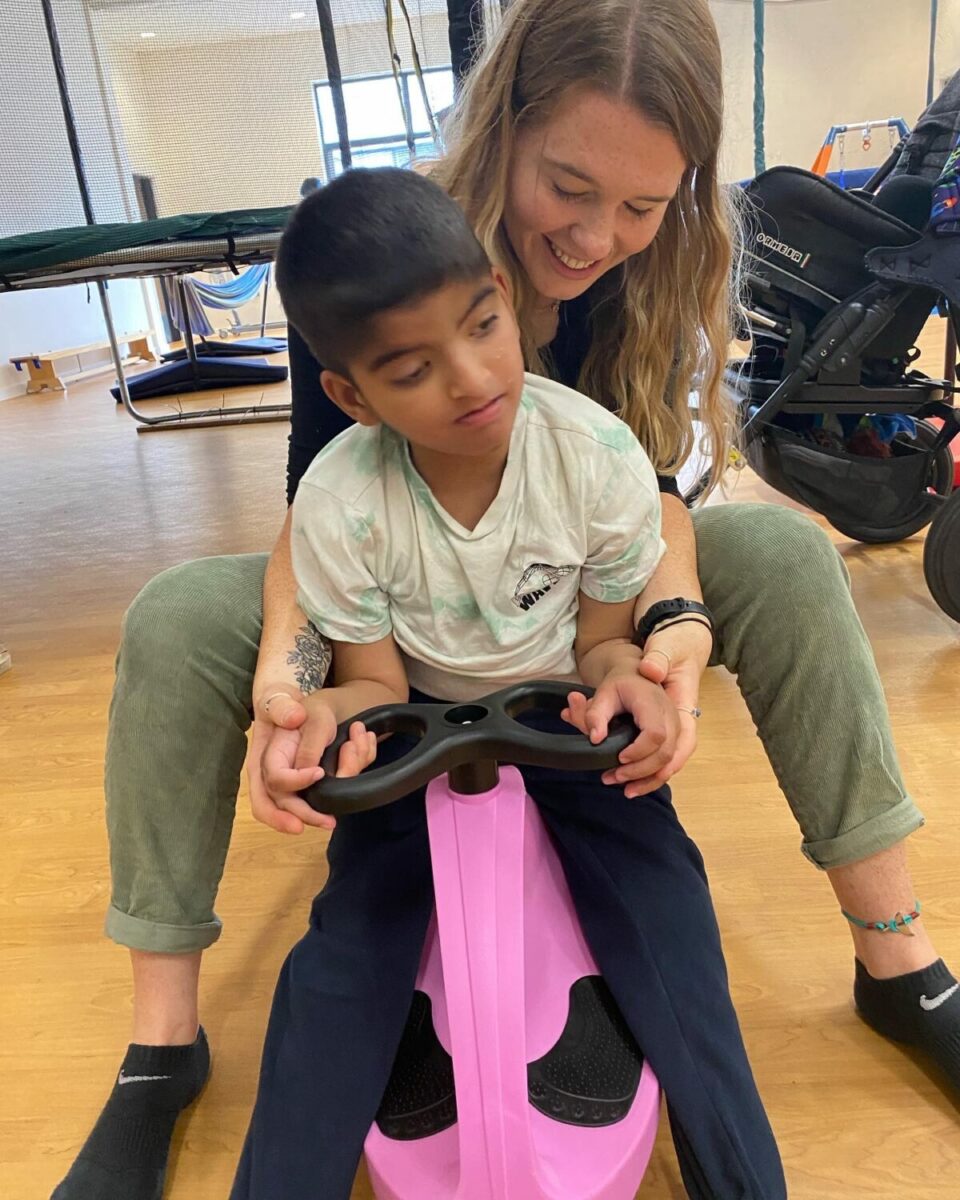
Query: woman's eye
point(639, 212)
point(565, 195)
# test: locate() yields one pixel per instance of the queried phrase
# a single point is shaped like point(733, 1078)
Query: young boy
point(475, 527)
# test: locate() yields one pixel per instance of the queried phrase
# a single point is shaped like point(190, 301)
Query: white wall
point(828, 62)
point(232, 124)
point(38, 188)
point(948, 39)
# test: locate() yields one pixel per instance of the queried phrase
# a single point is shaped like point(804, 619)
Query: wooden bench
point(43, 374)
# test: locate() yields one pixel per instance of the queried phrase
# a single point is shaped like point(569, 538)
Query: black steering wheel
point(468, 740)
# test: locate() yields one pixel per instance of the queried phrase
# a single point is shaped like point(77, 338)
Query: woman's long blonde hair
point(662, 327)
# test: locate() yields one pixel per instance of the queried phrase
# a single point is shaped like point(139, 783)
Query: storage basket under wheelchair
point(838, 292)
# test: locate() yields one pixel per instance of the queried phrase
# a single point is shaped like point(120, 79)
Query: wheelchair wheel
point(941, 558)
point(940, 482)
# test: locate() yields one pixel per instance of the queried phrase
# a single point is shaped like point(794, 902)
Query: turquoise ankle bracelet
point(899, 924)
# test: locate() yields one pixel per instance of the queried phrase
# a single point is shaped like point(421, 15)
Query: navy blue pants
point(344, 991)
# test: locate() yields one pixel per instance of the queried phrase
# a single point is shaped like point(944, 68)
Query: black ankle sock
point(921, 1008)
point(125, 1156)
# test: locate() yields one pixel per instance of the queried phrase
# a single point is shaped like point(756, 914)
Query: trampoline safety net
point(208, 105)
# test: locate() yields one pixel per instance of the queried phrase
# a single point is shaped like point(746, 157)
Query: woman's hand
point(290, 733)
point(644, 762)
point(676, 658)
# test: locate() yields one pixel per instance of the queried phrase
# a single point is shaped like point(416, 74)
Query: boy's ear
point(346, 396)
point(503, 283)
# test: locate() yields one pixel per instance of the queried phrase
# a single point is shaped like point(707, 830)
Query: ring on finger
point(694, 712)
point(274, 696)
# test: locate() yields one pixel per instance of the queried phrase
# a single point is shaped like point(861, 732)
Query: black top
point(315, 420)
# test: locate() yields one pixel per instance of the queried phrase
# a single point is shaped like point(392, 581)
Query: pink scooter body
point(502, 952)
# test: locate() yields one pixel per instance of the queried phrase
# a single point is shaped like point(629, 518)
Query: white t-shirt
point(473, 610)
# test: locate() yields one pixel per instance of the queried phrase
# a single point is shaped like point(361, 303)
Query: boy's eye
point(487, 323)
point(412, 376)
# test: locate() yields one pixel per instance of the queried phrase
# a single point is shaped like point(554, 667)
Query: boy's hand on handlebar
point(288, 730)
point(290, 735)
point(644, 764)
point(358, 753)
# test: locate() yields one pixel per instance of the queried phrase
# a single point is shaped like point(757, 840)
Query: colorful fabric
point(945, 213)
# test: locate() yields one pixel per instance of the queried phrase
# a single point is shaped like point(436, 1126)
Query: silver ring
point(696, 713)
point(273, 696)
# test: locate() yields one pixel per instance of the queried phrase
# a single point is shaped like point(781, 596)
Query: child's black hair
point(369, 241)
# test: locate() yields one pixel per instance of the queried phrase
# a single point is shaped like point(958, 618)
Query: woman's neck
point(465, 487)
point(545, 317)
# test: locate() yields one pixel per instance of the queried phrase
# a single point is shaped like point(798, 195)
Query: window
point(381, 132)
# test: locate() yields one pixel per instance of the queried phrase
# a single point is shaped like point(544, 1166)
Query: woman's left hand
point(676, 657)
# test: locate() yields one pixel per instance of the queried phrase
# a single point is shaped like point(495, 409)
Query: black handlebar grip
point(454, 735)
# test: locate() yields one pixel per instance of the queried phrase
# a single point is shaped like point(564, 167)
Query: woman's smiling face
point(588, 188)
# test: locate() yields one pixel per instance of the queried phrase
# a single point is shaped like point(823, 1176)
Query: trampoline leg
point(115, 353)
point(266, 295)
point(187, 330)
point(209, 416)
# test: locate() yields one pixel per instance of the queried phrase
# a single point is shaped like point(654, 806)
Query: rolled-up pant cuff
point(137, 934)
point(879, 833)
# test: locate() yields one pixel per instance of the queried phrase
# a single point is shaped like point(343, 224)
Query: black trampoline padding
point(48, 248)
point(239, 349)
point(208, 374)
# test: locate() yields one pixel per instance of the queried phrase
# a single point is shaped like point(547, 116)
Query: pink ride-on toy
point(549, 1097)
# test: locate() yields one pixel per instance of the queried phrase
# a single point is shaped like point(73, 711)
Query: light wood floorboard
point(89, 511)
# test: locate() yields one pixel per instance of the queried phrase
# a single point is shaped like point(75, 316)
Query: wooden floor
point(90, 510)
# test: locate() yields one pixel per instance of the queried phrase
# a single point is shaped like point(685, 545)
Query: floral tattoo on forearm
point(311, 658)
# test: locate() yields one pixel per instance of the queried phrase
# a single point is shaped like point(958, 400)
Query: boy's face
point(445, 372)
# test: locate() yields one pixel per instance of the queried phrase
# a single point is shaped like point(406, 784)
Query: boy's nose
point(470, 378)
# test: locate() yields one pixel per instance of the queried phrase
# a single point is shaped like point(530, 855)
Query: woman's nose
point(593, 239)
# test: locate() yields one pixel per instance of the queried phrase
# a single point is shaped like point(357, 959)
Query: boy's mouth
point(482, 415)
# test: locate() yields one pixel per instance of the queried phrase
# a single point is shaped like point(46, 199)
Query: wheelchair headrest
point(908, 197)
point(808, 238)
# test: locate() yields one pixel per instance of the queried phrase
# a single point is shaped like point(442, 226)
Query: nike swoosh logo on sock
point(930, 1005)
point(122, 1079)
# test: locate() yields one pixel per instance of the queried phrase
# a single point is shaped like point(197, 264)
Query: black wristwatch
point(671, 612)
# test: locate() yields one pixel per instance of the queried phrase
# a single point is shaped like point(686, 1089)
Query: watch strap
point(670, 612)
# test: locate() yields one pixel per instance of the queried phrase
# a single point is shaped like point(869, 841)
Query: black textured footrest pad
point(591, 1076)
point(419, 1099)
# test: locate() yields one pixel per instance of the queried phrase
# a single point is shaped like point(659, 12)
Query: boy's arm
point(603, 639)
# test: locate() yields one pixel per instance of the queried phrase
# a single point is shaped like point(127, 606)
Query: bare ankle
point(165, 1004)
point(888, 954)
point(157, 1031)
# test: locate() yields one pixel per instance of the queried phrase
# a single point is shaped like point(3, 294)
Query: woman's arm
point(293, 653)
point(676, 657)
point(676, 574)
point(292, 665)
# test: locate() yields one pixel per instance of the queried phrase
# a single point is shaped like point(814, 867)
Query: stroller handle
point(454, 735)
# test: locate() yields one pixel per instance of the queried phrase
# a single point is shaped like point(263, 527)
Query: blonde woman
point(584, 151)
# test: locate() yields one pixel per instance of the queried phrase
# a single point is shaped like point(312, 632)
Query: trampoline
point(165, 247)
point(122, 106)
